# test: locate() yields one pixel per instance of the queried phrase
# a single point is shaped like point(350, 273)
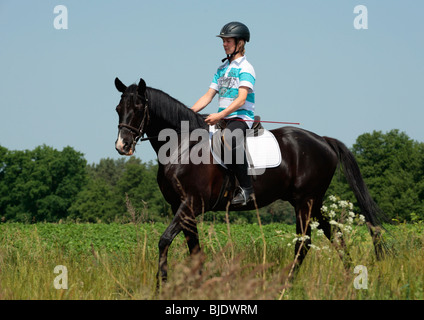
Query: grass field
point(119, 261)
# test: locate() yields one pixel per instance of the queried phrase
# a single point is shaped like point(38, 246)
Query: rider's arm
point(204, 100)
point(237, 103)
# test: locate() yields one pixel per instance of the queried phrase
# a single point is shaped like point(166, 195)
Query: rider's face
point(229, 45)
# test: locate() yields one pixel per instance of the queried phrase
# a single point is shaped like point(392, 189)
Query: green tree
point(96, 202)
point(111, 182)
point(392, 165)
point(139, 182)
point(41, 184)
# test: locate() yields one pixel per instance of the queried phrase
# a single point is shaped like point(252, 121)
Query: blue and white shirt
point(227, 80)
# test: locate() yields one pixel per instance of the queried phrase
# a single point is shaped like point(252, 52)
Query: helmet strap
point(230, 56)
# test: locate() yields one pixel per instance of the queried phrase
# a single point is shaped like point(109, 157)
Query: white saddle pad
point(262, 151)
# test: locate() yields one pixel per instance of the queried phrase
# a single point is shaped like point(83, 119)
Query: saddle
point(262, 151)
point(256, 127)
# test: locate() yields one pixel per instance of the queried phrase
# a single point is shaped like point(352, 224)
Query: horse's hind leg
point(338, 243)
point(377, 239)
point(303, 230)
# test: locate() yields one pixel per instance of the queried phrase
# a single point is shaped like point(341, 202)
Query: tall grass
point(119, 261)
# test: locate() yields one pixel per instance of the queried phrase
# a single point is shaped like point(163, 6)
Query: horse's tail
point(373, 214)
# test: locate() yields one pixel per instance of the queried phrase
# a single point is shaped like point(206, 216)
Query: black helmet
point(235, 30)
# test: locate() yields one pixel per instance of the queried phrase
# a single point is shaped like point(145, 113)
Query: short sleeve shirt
point(227, 80)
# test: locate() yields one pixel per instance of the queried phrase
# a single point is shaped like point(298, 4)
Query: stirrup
point(243, 196)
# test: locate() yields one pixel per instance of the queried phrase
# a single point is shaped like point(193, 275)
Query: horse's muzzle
point(124, 147)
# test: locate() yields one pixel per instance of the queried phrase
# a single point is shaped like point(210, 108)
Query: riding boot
point(245, 191)
point(243, 196)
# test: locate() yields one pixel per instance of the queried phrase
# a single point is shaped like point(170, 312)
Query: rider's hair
point(241, 45)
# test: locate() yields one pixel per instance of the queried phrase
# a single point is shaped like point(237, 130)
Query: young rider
point(234, 82)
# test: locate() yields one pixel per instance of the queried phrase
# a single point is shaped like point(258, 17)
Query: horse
point(308, 163)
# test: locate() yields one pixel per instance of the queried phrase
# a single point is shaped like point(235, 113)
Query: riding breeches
point(234, 150)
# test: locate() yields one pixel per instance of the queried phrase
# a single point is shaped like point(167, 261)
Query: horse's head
point(133, 116)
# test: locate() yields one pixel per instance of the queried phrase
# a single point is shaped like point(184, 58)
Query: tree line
point(45, 184)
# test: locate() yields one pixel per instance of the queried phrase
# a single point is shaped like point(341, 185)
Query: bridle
point(139, 132)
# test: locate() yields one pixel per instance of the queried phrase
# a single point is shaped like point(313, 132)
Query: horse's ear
point(120, 86)
point(141, 87)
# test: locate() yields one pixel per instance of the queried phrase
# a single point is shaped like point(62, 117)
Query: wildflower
point(312, 246)
point(320, 232)
point(347, 229)
point(333, 206)
point(350, 205)
point(343, 204)
point(361, 218)
point(332, 198)
point(324, 209)
point(332, 214)
point(350, 220)
point(304, 238)
point(314, 225)
point(351, 214)
point(300, 238)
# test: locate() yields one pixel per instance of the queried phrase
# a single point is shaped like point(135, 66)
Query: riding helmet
point(235, 30)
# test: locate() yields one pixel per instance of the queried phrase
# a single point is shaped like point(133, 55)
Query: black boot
point(242, 196)
point(243, 193)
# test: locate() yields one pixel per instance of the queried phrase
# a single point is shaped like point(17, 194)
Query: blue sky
point(312, 65)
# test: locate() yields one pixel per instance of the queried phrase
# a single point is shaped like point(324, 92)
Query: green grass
point(119, 261)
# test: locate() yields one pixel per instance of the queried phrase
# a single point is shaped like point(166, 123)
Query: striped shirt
point(227, 80)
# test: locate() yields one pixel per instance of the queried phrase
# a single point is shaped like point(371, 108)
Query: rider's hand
point(213, 118)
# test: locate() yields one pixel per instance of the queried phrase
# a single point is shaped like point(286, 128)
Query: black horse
point(308, 164)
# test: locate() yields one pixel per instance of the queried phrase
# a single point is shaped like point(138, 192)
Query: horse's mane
point(169, 109)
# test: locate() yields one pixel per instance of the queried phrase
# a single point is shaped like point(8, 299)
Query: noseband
point(137, 131)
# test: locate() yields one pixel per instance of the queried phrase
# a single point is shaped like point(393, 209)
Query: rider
point(234, 82)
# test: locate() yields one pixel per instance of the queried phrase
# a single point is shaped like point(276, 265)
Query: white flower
point(304, 238)
point(312, 246)
point(332, 198)
point(348, 229)
point(333, 222)
point(361, 218)
point(343, 203)
point(324, 209)
point(350, 220)
point(351, 214)
point(350, 205)
point(333, 206)
point(300, 238)
point(314, 225)
point(332, 214)
point(320, 232)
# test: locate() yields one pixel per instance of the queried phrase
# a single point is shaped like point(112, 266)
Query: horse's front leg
point(184, 220)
